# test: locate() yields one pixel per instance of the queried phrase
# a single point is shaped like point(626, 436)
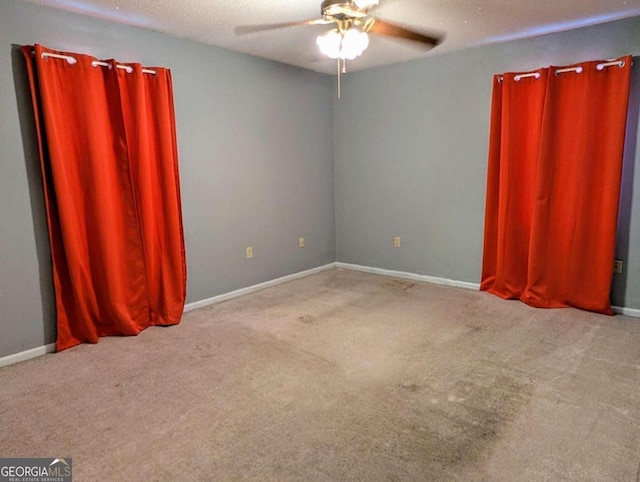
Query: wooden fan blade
point(245, 29)
point(380, 27)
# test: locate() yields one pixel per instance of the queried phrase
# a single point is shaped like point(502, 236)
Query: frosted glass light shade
point(330, 44)
point(349, 46)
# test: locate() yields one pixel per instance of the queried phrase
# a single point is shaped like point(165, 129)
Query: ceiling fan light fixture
point(330, 44)
point(347, 46)
point(354, 43)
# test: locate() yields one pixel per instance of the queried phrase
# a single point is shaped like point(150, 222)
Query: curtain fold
point(553, 186)
point(147, 107)
point(516, 123)
point(114, 236)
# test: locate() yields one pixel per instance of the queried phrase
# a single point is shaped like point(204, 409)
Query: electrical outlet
point(301, 242)
point(617, 266)
point(396, 241)
point(249, 252)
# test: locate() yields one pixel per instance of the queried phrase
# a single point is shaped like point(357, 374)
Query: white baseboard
point(42, 350)
point(411, 276)
point(449, 282)
point(621, 310)
point(27, 354)
point(250, 289)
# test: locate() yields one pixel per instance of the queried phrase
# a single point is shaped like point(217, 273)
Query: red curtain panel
point(147, 108)
point(112, 194)
point(516, 121)
point(555, 162)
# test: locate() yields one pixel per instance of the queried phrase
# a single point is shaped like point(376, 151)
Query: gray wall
point(410, 155)
point(255, 150)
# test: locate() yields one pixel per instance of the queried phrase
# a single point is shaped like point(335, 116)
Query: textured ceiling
point(466, 23)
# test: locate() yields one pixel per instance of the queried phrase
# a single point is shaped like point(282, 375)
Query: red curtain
point(110, 169)
point(553, 185)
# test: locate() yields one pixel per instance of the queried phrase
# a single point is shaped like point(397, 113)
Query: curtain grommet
point(620, 63)
point(519, 77)
point(577, 70)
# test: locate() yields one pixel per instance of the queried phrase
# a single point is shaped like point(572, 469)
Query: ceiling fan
point(349, 38)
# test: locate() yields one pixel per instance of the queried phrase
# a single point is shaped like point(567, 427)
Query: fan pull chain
point(342, 69)
point(338, 78)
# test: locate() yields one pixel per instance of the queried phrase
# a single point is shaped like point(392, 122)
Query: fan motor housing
point(340, 10)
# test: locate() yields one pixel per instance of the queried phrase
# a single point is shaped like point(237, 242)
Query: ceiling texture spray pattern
point(465, 23)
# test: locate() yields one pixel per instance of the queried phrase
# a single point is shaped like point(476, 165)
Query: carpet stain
point(397, 283)
point(204, 351)
point(489, 410)
point(307, 319)
point(410, 387)
point(462, 431)
point(474, 328)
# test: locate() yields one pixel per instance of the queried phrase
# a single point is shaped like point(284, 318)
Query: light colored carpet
point(341, 376)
